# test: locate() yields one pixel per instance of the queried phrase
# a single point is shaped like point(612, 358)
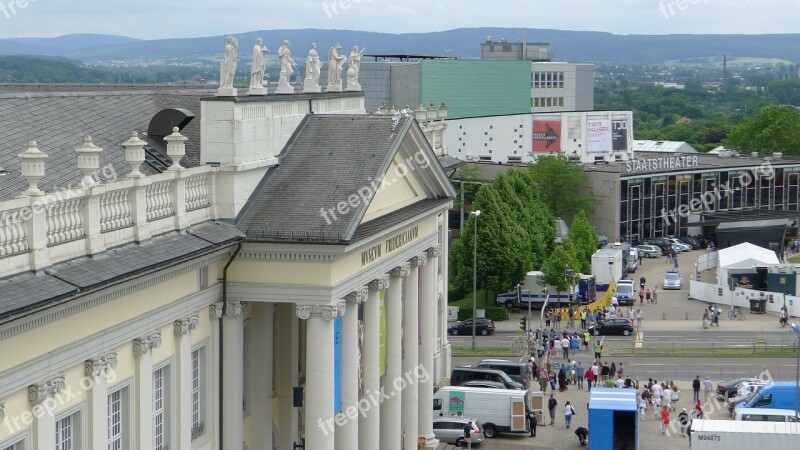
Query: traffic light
point(523, 324)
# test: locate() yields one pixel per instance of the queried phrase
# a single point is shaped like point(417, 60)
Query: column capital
point(183, 327)
point(2, 411)
point(401, 271)
point(420, 260)
point(380, 283)
point(358, 296)
point(143, 345)
point(101, 365)
point(236, 309)
point(215, 310)
point(38, 392)
point(434, 251)
point(327, 312)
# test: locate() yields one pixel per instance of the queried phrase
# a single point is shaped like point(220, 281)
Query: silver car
point(451, 430)
point(649, 251)
point(672, 280)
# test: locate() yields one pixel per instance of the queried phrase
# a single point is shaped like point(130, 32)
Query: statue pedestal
point(284, 88)
point(226, 92)
point(310, 86)
point(257, 91)
point(353, 86)
point(333, 88)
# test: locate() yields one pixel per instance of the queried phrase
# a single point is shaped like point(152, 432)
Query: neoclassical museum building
point(182, 270)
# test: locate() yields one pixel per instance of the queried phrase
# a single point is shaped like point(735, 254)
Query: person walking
point(598, 350)
point(675, 262)
point(558, 320)
point(548, 317)
point(648, 296)
point(604, 371)
point(705, 319)
point(612, 371)
point(664, 419)
point(468, 434)
point(683, 419)
point(569, 411)
point(696, 388)
point(565, 346)
point(641, 282)
point(642, 405)
point(551, 407)
point(584, 315)
point(580, 372)
point(675, 393)
point(575, 344)
point(655, 298)
point(707, 386)
point(639, 317)
point(532, 421)
point(543, 379)
point(669, 256)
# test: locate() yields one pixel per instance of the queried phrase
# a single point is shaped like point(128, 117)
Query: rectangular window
point(68, 432)
point(118, 420)
point(198, 392)
point(203, 277)
point(19, 445)
point(561, 101)
point(161, 408)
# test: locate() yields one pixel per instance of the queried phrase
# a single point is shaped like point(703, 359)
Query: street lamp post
point(796, 329)
point(475, 277)
point(541, 319)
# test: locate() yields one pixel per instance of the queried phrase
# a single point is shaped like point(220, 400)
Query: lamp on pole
point(477, 214)
point(796, 329)
point(541, 319)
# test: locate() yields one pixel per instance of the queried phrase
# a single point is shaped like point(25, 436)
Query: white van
point(766, 415)
point(498, 410)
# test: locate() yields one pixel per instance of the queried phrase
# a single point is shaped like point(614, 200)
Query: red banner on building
point(546, 136)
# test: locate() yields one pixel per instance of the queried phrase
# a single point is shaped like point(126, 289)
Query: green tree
point(562, 186)
point(774, 129)
point(554, 267)
point(583, 237)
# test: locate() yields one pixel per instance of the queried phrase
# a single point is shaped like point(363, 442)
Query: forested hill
point(464, 42)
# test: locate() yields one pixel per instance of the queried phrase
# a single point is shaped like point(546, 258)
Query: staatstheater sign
point(657, 164)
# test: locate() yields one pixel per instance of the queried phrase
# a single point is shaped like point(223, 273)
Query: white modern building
point(251, 278)
point(561, 86)
point(662, 146)
point(590, 136)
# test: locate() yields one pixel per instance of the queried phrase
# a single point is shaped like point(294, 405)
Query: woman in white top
point(642, 406)
point(675, 395)
point(666, 397)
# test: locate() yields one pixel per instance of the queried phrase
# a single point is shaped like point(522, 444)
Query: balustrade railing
point(64, 221)
point(115, 210)
point(159, 201)
point(13, 233)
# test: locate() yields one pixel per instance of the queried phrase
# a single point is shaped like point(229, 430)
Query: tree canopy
point(774, 129)
point(562, 186)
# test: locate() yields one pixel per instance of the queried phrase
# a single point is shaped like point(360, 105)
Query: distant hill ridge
point(584, 46)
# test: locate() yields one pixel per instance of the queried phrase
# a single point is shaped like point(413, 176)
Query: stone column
point(288, 347)
point(410, 395)
point(369, 425)
point(428, 314)
point(262, 362)
point(319, 374)
point(142, 349)
point(347, 420)
point(99, 371)
point(183, 381)
point(391, 433)
point(41, 395)
point(232, 373)
point(215, 361)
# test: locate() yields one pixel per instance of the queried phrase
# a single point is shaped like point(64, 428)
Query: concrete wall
point(606, 189)
point(405, 80)
point(584, 87)
point(577, 91)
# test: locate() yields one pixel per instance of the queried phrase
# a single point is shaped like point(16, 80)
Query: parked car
point(743, 390)
point(451, 430)
point(680, 246)
point(614, 325)
point(766, 415)
point(696, 243)
point(672, 280)
point(729, 388)
point(661, 243)
point(461, 375)
point(518, 371)
point(484, 384)
point(649, 251)
point(484, 327)
point(777, 395)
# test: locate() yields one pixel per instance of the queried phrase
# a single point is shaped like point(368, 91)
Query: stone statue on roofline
point(313, 67)
point(258, 68)
point(354, 68)
point(227, 68)
point(287, 68)
point(335, 64)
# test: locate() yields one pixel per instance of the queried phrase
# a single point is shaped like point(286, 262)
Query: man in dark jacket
point(696, 388)
point(583, 435)
point(468, 434)
point(532, 422)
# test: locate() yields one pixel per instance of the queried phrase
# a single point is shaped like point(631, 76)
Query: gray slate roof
point(58, 117)
point(63, 281)
point(328, 159)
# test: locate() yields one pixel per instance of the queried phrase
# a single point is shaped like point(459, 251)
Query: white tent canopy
point(743, 256)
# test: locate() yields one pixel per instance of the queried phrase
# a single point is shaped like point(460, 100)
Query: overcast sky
point(154, 19)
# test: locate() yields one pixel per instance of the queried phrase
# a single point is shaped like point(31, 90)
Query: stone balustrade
point(37, 231)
